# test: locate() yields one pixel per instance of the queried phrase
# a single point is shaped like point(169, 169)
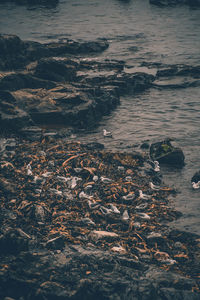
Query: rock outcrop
point(164, 152)
point(49, 85)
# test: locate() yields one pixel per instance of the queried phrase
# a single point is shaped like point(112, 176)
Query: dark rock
point(47, 3)
point(94, 146)
point(166, 153)
point(13, 82)
point(196, 177)
point(13, 242)
point(51, 69)
point(183, 237)
point(13, 118)
point(74, 47)
point(56, 243)
point(175, 2)
point(145, 146)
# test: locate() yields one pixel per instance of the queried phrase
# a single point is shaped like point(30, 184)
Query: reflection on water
point(137, 32)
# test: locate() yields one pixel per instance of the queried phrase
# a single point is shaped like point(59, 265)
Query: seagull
point(74, 181)
point(144, 216)
point(107, 133)
point(46, 174)
point(95, 178)
point(125, 215)
point(144, 196)
point(128, 178)
point(154, 187)
point(156, 166)
point(83, 195)
point(87, 221)
point(114, 209)
point(129, 197)
point(196, 185)
point(105, 180)
point(105, 211)
point(92, 205)
point(29, 170)
point(63, 179)
point(56, 192)
point(141, 206)
point(38, 180)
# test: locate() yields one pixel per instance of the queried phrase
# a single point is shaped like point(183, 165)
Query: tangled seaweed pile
point(57, 195)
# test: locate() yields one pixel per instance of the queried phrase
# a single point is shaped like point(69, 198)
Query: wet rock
point(13, 82)
point(166, 153)
point(94, 146)
point(54, 70)
point(196, 177)
point(74, 47)
point(56, 243)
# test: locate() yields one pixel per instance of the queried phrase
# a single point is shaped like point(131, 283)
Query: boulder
point(196, 177)
point(166, 153)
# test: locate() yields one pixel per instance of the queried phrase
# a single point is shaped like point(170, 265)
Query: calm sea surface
point(137, 32)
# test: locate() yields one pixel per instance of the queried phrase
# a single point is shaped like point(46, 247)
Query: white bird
point(93, 205)
point(120, 168)
point(144, 216)
point(63, 179)
point(154, 187)
point(125, 215)
point(29, 170)
point(144, 196)
point(196, 185)
point(129, 197)
point(128, 178)
point(114, 209)
point(156, 166)
point(74, 181)
point(46, 174)
point(141, 206)
point(87, 221)
point(38, 180)
point(105, 211)
point(56, 192)
point(105, 180)
point(95, 178)
point(107, 133)
point(83, 195)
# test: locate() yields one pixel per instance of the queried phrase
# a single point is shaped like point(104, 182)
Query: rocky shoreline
point(78, 222)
